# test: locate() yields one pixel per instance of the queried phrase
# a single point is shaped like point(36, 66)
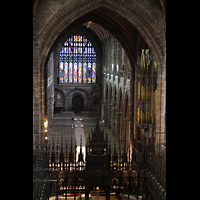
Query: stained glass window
point(77, 61)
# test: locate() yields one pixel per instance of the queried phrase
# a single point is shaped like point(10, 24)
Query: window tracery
point(77, 61)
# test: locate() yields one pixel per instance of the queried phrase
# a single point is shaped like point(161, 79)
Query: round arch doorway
point(77, 103)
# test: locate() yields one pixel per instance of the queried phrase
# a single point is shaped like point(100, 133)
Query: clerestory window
point(77, 61)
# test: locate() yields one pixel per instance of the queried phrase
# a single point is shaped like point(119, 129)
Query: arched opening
point(134, 25)
point(77, 103)
point(130, 24)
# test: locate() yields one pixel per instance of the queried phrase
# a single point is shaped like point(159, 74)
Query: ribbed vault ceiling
point(97, 29)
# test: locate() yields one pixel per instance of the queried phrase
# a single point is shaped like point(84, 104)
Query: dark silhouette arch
point(77, 103)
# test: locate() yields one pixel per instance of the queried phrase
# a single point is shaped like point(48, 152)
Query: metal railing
point(42, 182)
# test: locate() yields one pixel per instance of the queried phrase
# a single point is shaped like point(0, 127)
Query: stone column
point(109, 114)
point(119, 114)
point(106, 111)
point(114, 130)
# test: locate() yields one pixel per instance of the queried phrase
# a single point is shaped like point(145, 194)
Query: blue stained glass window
point(80, 72)
point(84, 72)
point(75, 72)
point(77, 61)
point(93, 72)
point(85, 52)
point(66, 72)
point(70, 72)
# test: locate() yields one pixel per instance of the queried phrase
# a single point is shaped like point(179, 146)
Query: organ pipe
point(146, 88)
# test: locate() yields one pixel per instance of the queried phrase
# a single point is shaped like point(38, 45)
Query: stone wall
point(67, 92)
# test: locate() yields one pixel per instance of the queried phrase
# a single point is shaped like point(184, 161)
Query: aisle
point(64, 130)
point(79, 132)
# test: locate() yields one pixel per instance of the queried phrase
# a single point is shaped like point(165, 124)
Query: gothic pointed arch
point(126, 21)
